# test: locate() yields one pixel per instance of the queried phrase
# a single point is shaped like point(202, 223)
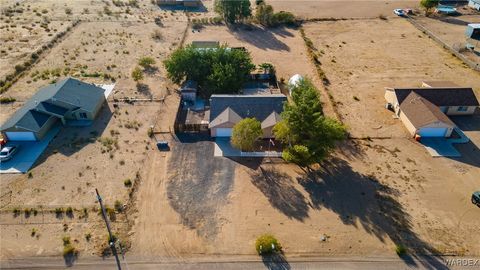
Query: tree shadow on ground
point(262, 38)
point(144, 89)
point(70, 258)
point(199, 185)
point(281, 193)
point(276, 261)
point(361, 200)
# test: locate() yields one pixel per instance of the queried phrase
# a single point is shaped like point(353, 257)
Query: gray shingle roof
point(455, 96)
point(257, 106)
point(51, 108)
point(70, 92)
point(33, 120)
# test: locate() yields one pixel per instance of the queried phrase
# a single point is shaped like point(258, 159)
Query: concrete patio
point(223, 148)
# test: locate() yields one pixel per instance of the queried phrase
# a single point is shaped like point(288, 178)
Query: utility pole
point(111, 242)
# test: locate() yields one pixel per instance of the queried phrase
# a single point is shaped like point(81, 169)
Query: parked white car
point(399, 12)
point(8, 152)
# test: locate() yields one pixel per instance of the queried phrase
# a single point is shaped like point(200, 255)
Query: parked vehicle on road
point(8, 152)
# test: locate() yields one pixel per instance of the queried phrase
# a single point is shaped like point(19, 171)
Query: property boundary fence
point(471, 64)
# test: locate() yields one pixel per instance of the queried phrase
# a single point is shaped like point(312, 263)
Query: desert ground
point(378, 190)
point(451, 30)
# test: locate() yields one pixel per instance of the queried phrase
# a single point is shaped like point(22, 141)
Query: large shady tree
point(217, 71)
point(309, 134)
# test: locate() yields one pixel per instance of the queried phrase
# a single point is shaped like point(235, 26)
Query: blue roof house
point(69, 99)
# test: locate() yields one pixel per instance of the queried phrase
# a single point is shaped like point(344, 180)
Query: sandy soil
point(371, 195)
point(452, 31)
point(283, 47)
point(78, 159)
point(389, 53)
point(342, 9)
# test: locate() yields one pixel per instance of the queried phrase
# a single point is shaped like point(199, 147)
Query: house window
point(83, 115)
point(462, 108)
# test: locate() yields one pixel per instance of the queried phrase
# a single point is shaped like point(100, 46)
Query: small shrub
point(69, 211)
point(58, 211)
point(27, 212)
point(127, 182)
point(400, 250)
point(88, 236)
point(356, 98)
point(68, 11)
point(146, 62)
point(157, 35)
point(150, 132)
point(16, 211)
point(5, 100)
point(267, 244)
point(69, 250)
point(118, 206)
point(34, 231)
point(30, 175)
point(66, 240)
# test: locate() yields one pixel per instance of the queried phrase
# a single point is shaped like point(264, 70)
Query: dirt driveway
point(181, 198)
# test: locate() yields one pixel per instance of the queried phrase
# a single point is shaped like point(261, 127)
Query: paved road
point(384, 263)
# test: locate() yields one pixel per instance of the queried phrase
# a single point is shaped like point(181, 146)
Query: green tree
point(245, 133)
point(298, 154)
point(264, 14)
point(267, 68)
point(146, 62)
point(428, 5)
point(233, 11)
point(219, 70)
point(137, 74)
point(310, 135)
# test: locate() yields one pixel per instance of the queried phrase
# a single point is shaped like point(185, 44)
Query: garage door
point(432, 132)
point(224, 132)
point(20, 136)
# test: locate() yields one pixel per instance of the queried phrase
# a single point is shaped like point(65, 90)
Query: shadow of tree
point(144, 89)
point(262, 38)
point(281, 193)
point(276, 261)
point(361, 199)
point(70, 258)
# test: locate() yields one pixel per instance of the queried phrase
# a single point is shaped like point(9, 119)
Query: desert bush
point(88, 236)
point(66, 240)
point(146, 62)
point(118, 206)
point(58, 211)
point(127, 182)
point(400, 249)
point(33, 232)
point(69, 211)
point(5, 100)
point(69, 250)
point(267, 244)
point(68, 11)
point(157, 35)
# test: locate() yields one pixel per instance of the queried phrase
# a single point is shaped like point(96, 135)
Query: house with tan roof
point(424, 111)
